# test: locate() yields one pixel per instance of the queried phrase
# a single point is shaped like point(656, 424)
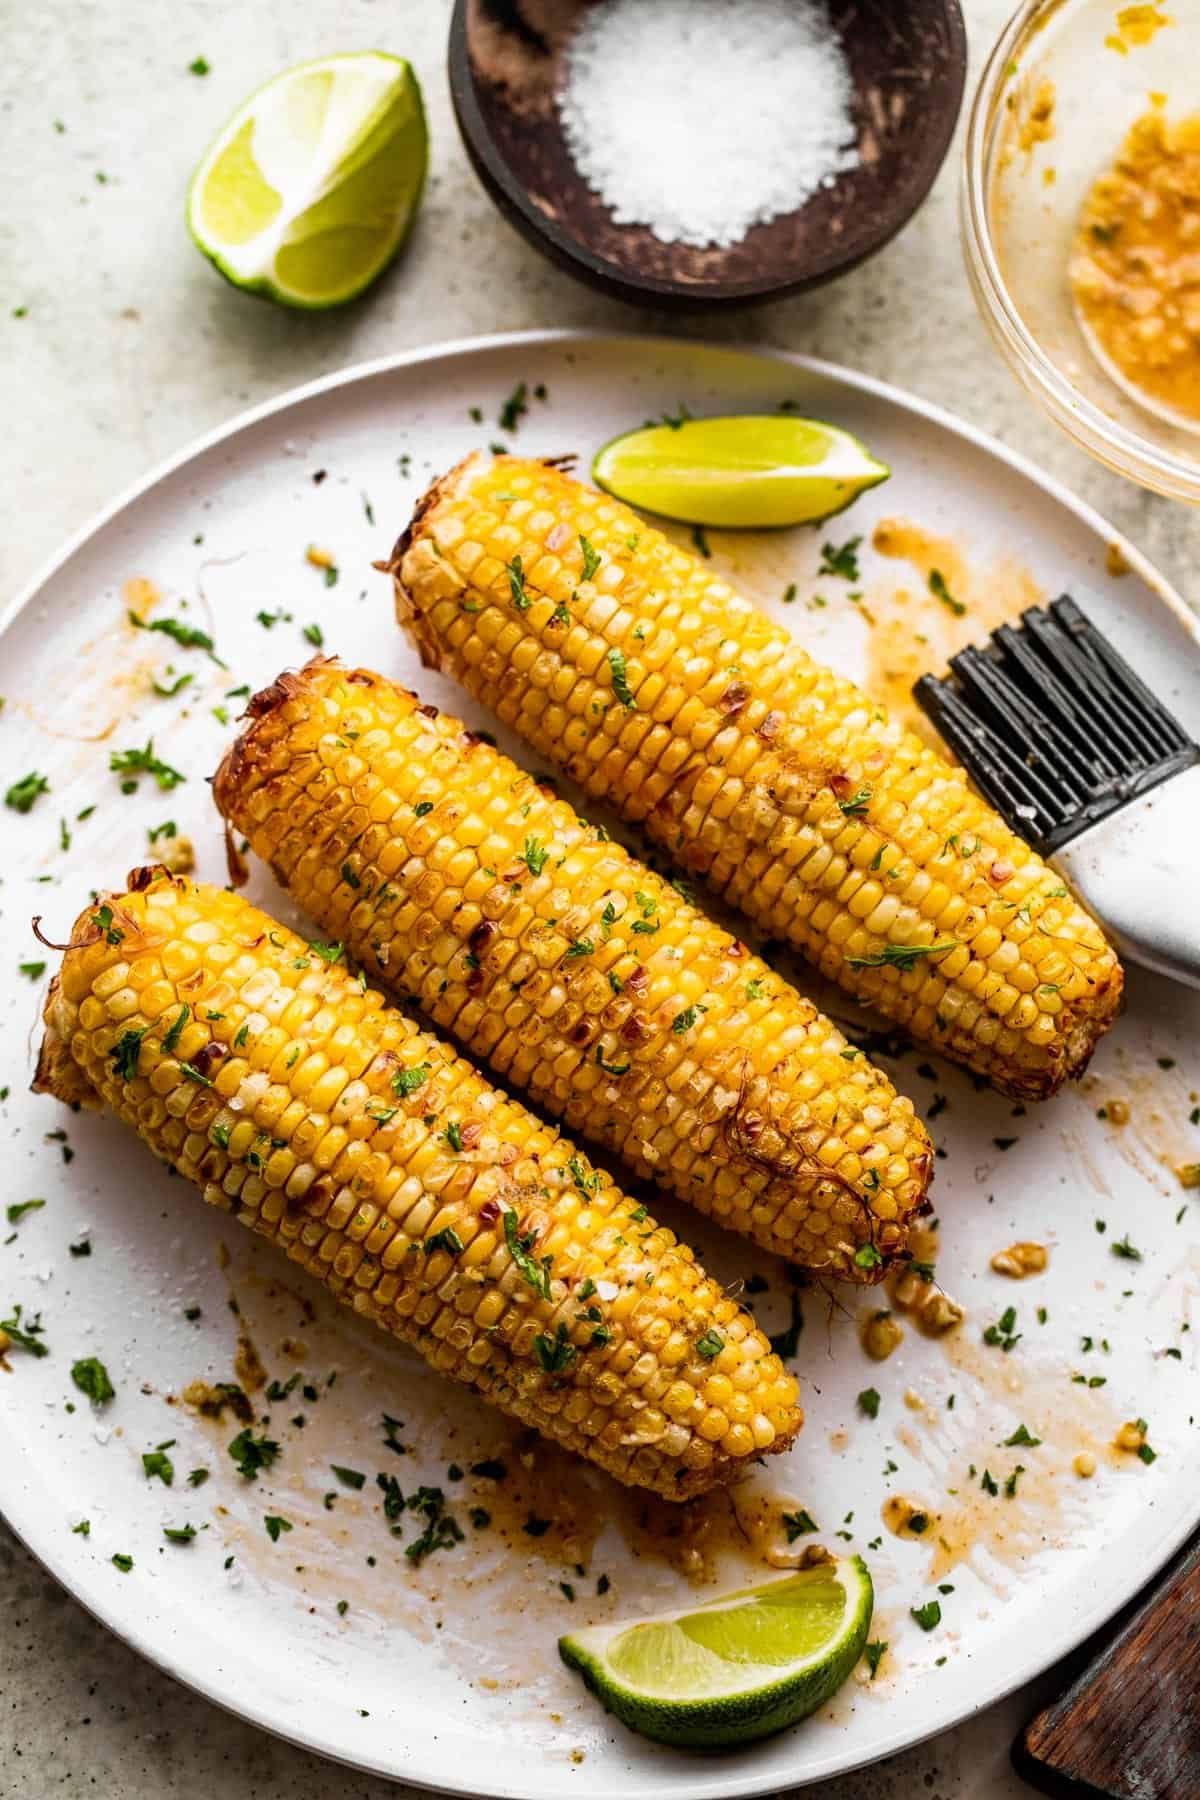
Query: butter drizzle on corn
point(581, 976)
point(657, 687)
point(421, 1196)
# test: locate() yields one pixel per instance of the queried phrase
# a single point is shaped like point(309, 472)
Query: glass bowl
point(1062, 87)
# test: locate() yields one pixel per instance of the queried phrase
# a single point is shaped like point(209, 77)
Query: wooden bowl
point(907, 59)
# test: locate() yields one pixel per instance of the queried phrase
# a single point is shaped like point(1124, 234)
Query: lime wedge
point(738, 1668)
point(311, 188)
point(746, 471)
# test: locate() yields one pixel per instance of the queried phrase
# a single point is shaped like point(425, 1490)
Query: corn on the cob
point(454, 877)
point(421, 1196)
point(623, 658)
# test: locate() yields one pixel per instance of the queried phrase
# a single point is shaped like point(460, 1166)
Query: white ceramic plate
point(447, 1674)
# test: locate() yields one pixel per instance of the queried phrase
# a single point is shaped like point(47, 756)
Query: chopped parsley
point(447, 1239)
point(591, 558)
point(856, 806)
point(136, 762)
point(34, 970)
point(873, 1655)
point(900, 956)
point(171, 1040)
point(1124, 1248)
point(122, 1562)
point(179, 1534)
point(868, 1402)
point(581, 947)
point(1023, 1436)
point(126, 1052)
point(610, 1068)
point(351, 1478)
point(554, 1353)
point(534, 856)
point(314, 635)
point(868, 1257)
point(937, 587)
point(798, 1524)
point(514, 408)
point(103, 921)
point(537, 1274)
point(840, 559)
point(1002, 1334)
point(683, 1021)
point(22, 794)
point(328, 953)
point(452, 1136)
point(19, 1208)
point(91, 1378)
point(407, 1081)
point(186, 636)
point(276, 1526)
point(27, 1336)
point(516, 583)
point(158, 1463)
point(711, 1344)
point(620, 679)
point(927, 1616)
point(588, 1182)
point(252, 1454)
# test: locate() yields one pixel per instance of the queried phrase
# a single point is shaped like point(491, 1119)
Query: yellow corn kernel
point(663, 692)
point(439, 1207)
point(584, 978)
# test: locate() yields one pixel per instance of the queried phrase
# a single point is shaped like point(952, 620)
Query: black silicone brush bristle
point(1054, 726)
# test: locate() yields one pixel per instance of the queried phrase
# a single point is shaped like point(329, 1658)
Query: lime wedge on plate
point(738, 1668)
point(746, 471)
point(311, 188)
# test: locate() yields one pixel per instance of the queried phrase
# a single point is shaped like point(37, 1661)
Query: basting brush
point(1088, 766)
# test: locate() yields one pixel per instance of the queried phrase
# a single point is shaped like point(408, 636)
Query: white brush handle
point(1139, 872)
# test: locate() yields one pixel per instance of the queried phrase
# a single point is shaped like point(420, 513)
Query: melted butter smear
point(553, 1523)
point(997, 1534)
point(1148, 1115)
point(915, 632)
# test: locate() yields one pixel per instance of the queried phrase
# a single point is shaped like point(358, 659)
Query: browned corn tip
point(578, 973)
point(428, 1200)
point(785, 786)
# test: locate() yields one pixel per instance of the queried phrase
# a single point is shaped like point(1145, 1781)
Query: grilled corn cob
point(623, 658)
point(429, 1201)
point(582, 977)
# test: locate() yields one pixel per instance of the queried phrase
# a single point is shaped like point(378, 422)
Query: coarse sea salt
point(702, 118)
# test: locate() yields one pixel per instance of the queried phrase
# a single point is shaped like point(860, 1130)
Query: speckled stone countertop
point(127, 346)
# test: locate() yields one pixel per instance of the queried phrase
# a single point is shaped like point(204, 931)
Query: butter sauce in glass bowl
point(1077, 311)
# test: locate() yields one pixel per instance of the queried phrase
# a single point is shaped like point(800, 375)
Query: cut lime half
point(310, 189)
point(738, 1668)
point(739, 472)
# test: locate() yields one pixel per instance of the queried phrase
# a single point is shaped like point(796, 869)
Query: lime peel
point(311, 188)
point(736, 1669)
point(744, 471)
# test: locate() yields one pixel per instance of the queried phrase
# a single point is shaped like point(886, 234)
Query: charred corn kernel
point(1131, 1435)
point(1020, 1260)
point(1084, 1465)
point(881, 1334)
point(794, 794)
point(452, 876)
point(463, 1232)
